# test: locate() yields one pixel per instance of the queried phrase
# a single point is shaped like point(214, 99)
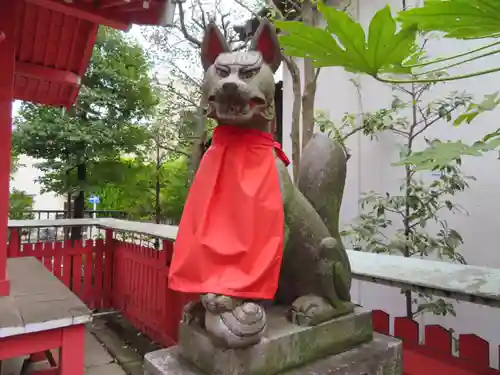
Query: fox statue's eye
point(248, 74)
point(221, 72)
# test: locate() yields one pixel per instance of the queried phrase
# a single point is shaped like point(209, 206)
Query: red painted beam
point(140, 6)
point(87, 13)
point(47, 74)
point(113, 3)
point(87, 53)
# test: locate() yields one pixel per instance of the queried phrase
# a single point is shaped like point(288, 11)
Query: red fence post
point(88, 268)
point(168, 248)
point(66, 263)
point(475, 349)
point(176, 300)
point(380, 322)
point(58, 257)
point(438, 338)
point(13, 250)
point(406, 329)
point(109, 255)
point(76, 284)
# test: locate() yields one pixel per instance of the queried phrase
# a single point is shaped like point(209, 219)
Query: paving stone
point(97, 359)
point(95, 353)
point(109, 369)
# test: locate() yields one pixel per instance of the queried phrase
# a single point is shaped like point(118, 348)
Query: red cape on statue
point(231, 235)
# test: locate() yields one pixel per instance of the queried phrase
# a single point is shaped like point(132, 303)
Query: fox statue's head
point(238, 87)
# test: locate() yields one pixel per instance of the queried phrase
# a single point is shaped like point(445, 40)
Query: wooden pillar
point(8, 18)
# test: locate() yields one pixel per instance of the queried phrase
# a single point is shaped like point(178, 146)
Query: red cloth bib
point(230, 239)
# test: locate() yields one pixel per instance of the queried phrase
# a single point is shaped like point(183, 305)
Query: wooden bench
point(41, 314)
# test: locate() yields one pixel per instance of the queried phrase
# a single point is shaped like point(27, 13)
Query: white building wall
point(25, 179)
point(370, 169)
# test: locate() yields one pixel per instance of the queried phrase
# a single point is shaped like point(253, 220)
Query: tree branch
point(186, 75)
point(352, 132)
point(433, 121)
point(246, 7)
point(277, 12)
point(168, 148)
point(182, 96)
point(316, 75)
point(184, 30)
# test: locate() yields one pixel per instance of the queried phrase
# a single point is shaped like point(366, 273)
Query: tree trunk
point(68, 212)
point(309, 83)
point(278, 104)
point(308, 103)
point(69, 205)
point(408, 175)
point(79, 204)
point(296, 107)
point(157, 185)
point(198, 145)
point(157, 192)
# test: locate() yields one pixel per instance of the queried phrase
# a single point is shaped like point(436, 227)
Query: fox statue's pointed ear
point(266, 42)
point(213, 45)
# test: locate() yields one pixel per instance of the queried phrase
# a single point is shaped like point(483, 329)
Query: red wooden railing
point(433, 354)
point(109, 273)
point(83, 266)
point(140, 288)
point(132, 278)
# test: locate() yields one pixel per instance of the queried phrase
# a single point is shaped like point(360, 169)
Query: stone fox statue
point(247, 234)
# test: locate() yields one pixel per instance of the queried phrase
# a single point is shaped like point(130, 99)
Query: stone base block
point(284, 346)
point(380, 356)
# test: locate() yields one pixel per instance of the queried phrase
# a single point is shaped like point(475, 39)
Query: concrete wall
point(369, 169)
point(25, 179)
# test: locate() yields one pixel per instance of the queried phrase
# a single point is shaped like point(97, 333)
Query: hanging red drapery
point(234, 211)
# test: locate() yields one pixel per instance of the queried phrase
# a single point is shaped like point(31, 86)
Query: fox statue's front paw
point(239, 328)
point(219, 303)
point(311, 310)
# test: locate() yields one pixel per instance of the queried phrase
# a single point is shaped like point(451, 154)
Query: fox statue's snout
point(231, 91)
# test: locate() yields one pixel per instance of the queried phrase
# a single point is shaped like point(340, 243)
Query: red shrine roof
point(55, 39)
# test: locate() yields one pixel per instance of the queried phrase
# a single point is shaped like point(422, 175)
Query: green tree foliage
point(344, 42)
point(175, 190)
point(14, 164)
point(409, 222)
point(391, 56)
point(116, 95)
point(132, 188)
point(386, 50)
point(20, 203)
point(173, 128)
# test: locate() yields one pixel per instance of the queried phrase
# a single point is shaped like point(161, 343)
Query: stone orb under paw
point(242, 327)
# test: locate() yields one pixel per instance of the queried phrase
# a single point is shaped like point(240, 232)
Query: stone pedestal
point(343, 346)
